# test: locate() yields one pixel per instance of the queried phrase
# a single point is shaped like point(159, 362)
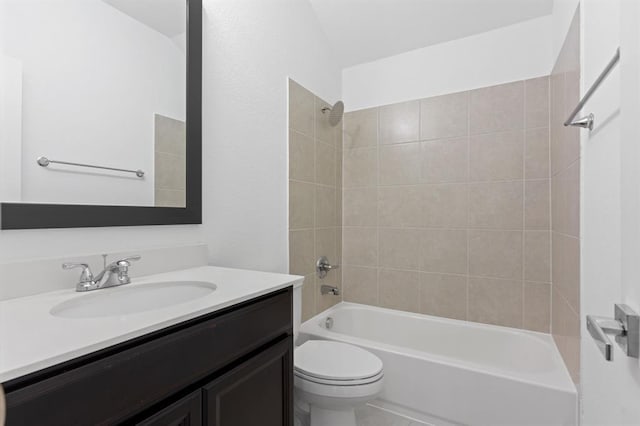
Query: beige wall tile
point(445, 160)
point(537, 307)
point(398, 248)
point(443, 295)
point(536, 208)
point(444, 205)
point(170, 198)
point(326, 215)
point(325, 164)
point(399, 290)
point(557, 130)
point(565, 324)
point(444, 116)
point(399, 206)
point(496, 156)
point(170, 171)
point(302, 154)
point(360, 246)
point(537, 256)
point(443, 251)
point(399, 122)
point(565, 195)
point(537, 102)
point(493, 301)
point(301, 205)
point(497, 108)
point(400, 164)
point(495, 254)
point(360, 285)
point(302, 252)
point(536, 159)
point(301, 109)
point(496, 205)
point(360, 167)
point(566, 268)
point(170, 135)
point(326, 246)
point(361, 128)
point(308, 297)
point(323, 130)
point(360, 206)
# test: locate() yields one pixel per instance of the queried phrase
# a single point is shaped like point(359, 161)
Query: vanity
point(224, 357)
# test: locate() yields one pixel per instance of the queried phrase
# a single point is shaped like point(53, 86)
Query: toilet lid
point(329, 360)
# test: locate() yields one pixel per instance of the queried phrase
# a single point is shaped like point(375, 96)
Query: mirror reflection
point(92, 102)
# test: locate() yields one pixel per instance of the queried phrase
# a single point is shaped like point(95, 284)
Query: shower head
point(335, 113)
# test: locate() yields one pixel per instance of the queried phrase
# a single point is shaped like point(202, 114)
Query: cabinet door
point(184, 412)
point(257, 392)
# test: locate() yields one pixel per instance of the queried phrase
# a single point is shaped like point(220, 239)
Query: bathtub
point(450, 372)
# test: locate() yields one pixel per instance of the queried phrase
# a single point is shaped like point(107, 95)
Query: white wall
point(610, 207)
point(89, 97)
point(250, 48)
point(10, 128)
point(561, 17)
point(516, 52)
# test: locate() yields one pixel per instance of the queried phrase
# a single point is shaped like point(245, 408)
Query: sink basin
point(127, 300)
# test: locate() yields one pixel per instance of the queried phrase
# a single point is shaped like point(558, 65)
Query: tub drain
point(328, 323)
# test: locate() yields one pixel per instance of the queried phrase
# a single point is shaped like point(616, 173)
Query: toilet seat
point(336, 364)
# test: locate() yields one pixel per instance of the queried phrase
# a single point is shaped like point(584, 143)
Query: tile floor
point(373, 416)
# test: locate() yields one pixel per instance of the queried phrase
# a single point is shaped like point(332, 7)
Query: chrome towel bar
point(44, 162)
point(587, 122)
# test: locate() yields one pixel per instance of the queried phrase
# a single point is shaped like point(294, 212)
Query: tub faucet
point(329, 289)
point(114, 274)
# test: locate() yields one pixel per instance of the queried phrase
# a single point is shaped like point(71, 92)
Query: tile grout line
point(524, 203)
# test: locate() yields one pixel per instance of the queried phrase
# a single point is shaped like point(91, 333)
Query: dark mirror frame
point(38, 216)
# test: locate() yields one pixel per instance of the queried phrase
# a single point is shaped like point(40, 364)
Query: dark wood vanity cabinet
point(229, 368)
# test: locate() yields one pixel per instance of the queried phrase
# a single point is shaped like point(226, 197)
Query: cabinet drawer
point(116, 387)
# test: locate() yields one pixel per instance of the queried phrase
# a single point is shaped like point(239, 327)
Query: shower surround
point(446, 206)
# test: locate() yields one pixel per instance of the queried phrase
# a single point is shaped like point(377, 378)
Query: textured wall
point(565, 201)
point(315, 183)
point(446, 205)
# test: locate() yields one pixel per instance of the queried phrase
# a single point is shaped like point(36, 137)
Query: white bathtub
point(456, 372)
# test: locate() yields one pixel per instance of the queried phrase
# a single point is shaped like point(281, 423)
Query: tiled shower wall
point(446, 206)
point(565, 196)
point(315, 190)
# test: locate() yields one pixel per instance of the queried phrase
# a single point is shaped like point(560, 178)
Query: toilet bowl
point(331, 378)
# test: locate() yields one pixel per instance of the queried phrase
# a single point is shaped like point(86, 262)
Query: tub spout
point(328, 289)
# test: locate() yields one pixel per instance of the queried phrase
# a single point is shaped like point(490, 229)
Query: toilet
point(331, 378)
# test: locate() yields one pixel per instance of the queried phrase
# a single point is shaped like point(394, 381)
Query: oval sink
point(125, 300)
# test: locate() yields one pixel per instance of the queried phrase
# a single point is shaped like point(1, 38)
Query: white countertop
point(32, 339)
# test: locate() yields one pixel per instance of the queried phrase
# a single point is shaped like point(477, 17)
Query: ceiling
point(365, 30)
point(168, 17)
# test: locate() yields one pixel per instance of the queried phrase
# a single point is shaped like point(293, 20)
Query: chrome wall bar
point(587, 122)
point(44, 162)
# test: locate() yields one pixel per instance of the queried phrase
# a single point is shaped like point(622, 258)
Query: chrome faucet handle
point(122, 266)
point(323, 266)
point(86, 276)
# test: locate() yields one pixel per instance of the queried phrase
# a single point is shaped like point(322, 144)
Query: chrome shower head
point(335, 113)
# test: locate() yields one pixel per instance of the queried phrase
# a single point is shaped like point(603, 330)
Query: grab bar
point(44, 162)
point(587, 122)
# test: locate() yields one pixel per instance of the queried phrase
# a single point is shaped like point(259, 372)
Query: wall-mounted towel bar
point(587, 122)
point(44, 162)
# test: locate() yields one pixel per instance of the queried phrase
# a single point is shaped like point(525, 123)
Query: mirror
point(100, 108)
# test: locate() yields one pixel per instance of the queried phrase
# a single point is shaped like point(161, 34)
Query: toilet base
point(324, 417)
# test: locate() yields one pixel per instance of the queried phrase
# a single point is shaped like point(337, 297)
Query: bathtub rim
point(312, 329)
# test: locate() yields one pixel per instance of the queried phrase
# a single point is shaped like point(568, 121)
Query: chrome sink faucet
point(114, 274)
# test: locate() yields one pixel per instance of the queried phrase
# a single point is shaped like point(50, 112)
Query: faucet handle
point(86, 275)
point(129, 259)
